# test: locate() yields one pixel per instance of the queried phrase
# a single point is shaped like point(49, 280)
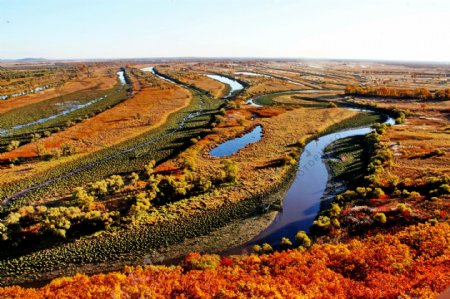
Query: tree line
point(391, 92)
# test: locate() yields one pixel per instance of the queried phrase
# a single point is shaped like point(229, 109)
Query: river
point(235, 86)
point(302, 201)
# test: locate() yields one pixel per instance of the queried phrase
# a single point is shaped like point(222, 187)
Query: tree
point(134, 177)
point(142, 204)
point(115, 182)
point(171, 188)
point(229, 172)
point(302, 238)
point(150, 167)
point(3, 232)
point(99, 188)
point(322, 221)
point(335, 210)
point(285, 242)
point(67, 149)
point(13, 145)
point(35, 137)
point(380, 217)
point(189, 163)
point(82, 198)
point(40, 150)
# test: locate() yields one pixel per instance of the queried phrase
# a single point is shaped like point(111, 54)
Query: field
point(99, 78)
point(130, 179)
point(188, 75)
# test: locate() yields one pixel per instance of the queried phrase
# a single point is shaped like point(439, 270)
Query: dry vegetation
point(409, 264)
point(99, 78)
point(186, 74)
point(387, 237)
point(148, 109)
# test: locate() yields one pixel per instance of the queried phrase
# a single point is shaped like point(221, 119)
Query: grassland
point(99, 78)
point(147, 183)
point(127, 120)
point(51, 116)
point(199, 79)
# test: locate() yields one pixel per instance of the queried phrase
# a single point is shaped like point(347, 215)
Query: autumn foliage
point(418, 93)
point(413, 263)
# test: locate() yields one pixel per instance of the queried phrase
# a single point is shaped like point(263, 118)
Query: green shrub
point(332, 105)
point(322, 221)
point(229, 172)
point(13, 145)
point(380, 217)
point(285, 242)
point(302, 238)
point(335, 210)
point(81, 196)
point(266, 248)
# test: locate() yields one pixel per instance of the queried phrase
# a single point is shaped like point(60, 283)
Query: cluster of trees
point(418, 93)
point(359, 209)
point(412, 263)
point(87, 209)
point(43, 221)
point(40, 150)
point(163, 189)
point(83, 214)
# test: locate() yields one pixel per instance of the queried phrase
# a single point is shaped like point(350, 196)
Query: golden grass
point(413, 142)
point(257, 170)
point(186, 74)
point(101, 80)
point(145, 111)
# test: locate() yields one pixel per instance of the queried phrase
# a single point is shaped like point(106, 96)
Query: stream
point(119, 153)
point(72, 107)
point(34, 90)
point(302, 200)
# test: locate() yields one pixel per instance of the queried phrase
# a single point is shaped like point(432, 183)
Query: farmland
point(111, 165)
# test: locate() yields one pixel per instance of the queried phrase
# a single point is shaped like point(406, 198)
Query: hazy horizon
point(404, 31)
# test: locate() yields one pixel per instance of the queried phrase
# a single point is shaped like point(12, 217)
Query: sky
point(407, 30)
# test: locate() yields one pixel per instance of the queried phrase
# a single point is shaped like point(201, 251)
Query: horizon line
point(225, 58)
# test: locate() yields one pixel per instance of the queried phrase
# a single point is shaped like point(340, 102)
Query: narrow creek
point(34, 90)
point(73, 106)
point(302, 200)
point(182, 124)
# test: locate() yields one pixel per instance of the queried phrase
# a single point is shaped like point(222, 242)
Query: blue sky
point(364, 29)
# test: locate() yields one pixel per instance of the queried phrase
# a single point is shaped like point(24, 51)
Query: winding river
point(151, 69)
point(302, 200)
point(269, 76)
point(235, 86)
point(34, 90)
point(254, 101)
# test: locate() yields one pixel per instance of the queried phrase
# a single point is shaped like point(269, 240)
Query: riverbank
point(229, 196)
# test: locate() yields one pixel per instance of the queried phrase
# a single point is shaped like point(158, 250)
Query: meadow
point(127, 177)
